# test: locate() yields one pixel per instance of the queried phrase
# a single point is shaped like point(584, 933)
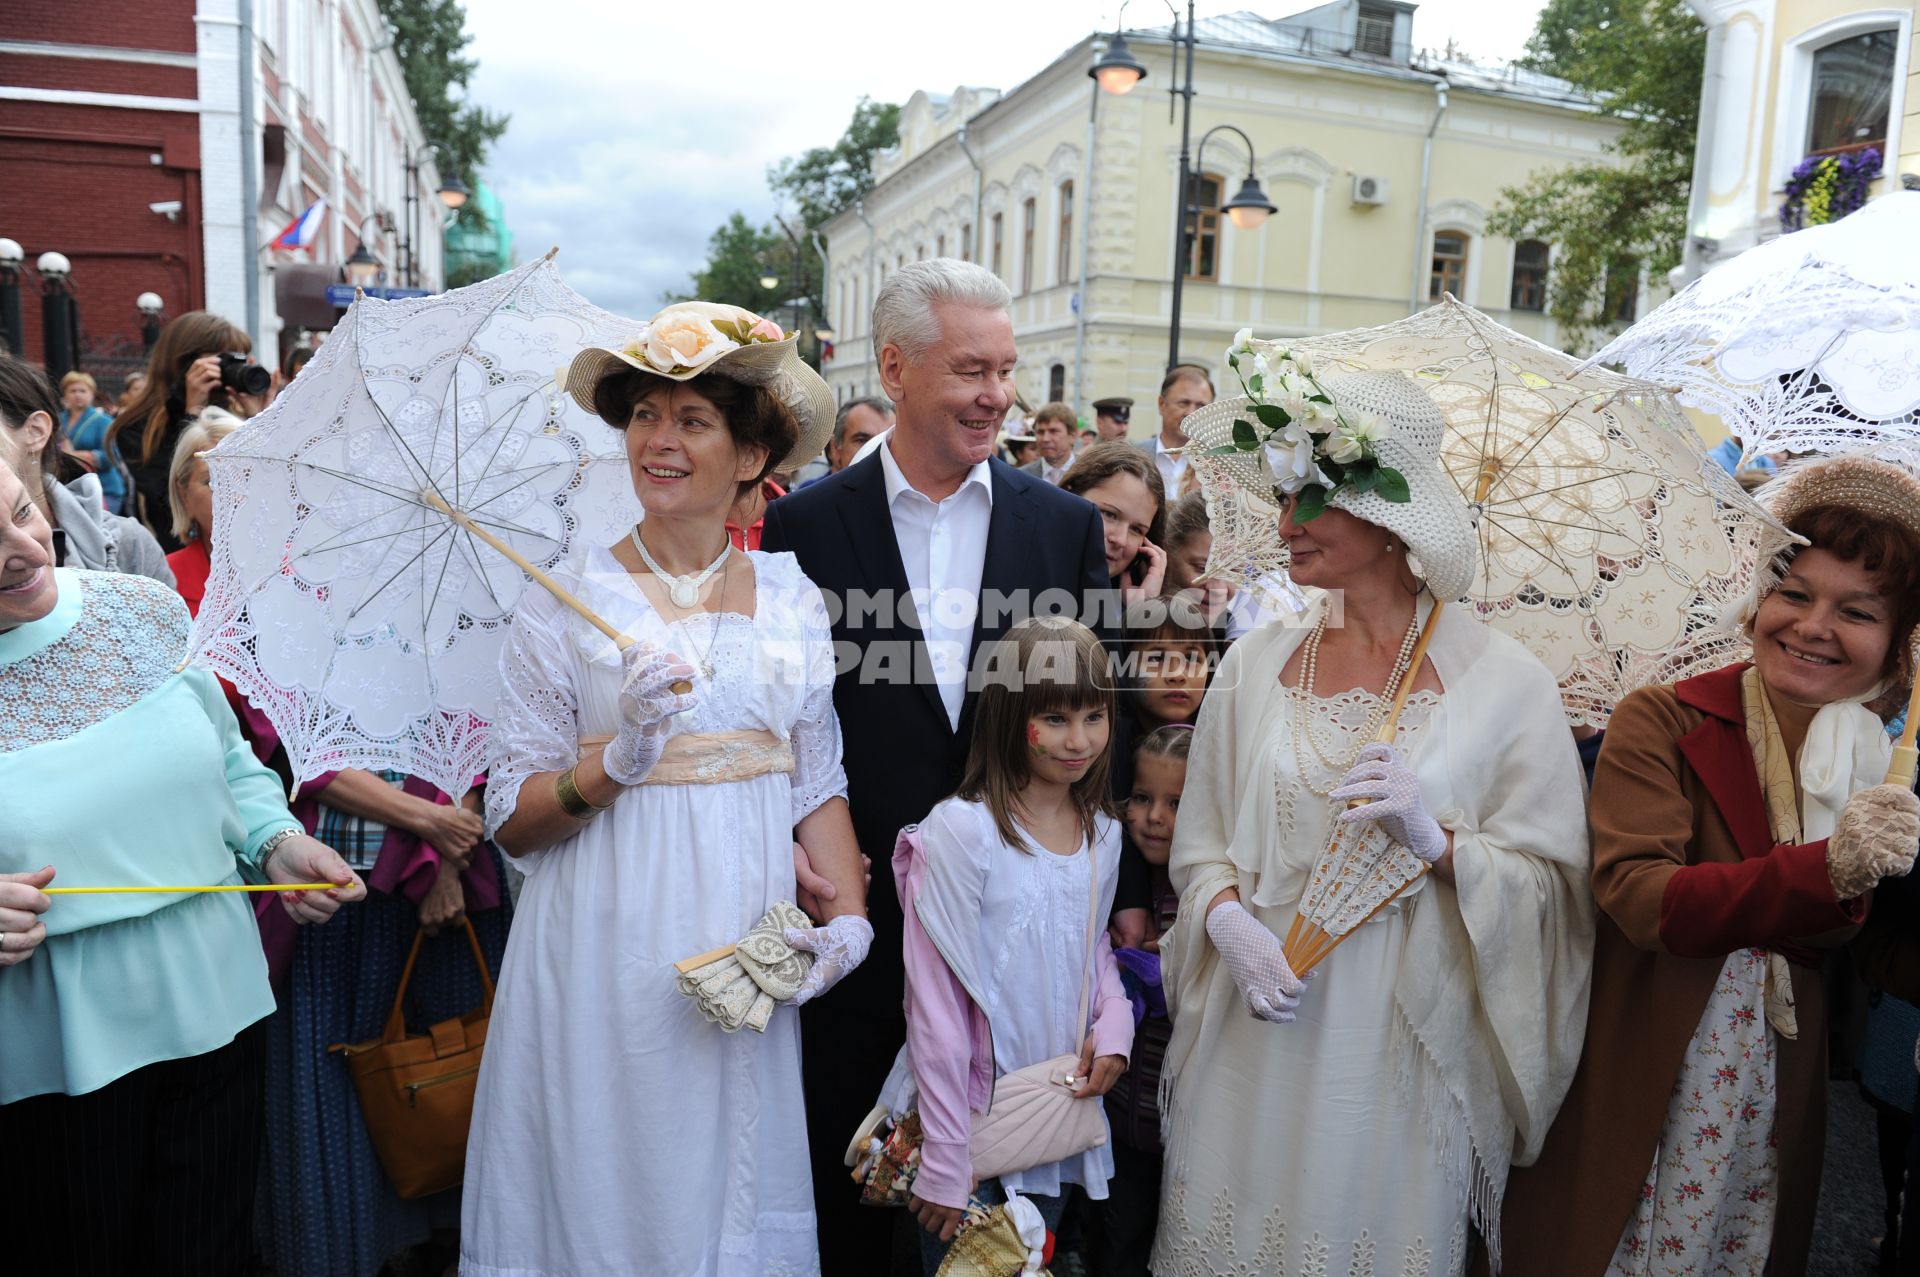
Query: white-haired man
point(932, 511)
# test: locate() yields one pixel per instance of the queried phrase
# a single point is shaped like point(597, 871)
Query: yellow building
point(1786, 79)
point(1384, 167)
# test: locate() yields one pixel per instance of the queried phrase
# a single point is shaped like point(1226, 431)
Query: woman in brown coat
point(1739, 820)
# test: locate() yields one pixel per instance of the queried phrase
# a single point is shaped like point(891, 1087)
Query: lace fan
point(1362, 871)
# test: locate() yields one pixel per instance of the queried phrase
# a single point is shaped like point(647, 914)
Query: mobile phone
point(1137, 570)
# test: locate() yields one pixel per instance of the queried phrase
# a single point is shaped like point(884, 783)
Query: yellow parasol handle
point(172, 891)
point(1901, 771)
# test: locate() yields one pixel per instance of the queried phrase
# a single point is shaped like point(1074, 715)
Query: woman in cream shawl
point(1355, 1124)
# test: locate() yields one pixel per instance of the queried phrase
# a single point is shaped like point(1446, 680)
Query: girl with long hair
point(1000, 884)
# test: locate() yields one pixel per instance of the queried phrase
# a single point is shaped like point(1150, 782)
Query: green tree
point(826, 179)
point(739, 254)
point(1643, 60)
point(430, 39)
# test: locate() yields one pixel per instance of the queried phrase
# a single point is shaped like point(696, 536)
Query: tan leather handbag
point(416, 1090)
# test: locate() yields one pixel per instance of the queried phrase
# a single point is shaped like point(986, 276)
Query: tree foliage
point(1643, 59)
point(826, 179)
point(430, 39)
point(818, 184)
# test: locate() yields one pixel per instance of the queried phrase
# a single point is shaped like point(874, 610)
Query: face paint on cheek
point(1033, 741)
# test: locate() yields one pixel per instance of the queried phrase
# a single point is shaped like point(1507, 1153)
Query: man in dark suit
point(931, 510)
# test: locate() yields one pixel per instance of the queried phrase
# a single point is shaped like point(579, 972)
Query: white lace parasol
point(1609, 544)
point(365, 623)
point(1807, 343)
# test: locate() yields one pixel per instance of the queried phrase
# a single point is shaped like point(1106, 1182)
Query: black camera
point(238, 375)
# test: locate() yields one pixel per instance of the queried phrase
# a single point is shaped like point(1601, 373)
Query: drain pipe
point(960, 136)
point(249, 63)
point(1422, 250)
point(873, 241)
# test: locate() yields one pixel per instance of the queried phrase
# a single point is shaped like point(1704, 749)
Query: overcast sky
point(638, 127)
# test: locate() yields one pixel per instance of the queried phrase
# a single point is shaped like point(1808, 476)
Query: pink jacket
point(950, 1043)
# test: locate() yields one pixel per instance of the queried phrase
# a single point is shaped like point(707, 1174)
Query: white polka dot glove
point(1255, 961)
point(1391, 793)
point(647, 701)
point(837, 949)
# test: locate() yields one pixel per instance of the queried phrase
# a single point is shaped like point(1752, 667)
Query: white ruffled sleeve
point(817, 772)
point(536, 725)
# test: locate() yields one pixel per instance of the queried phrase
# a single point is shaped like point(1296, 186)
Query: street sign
point(341, 295)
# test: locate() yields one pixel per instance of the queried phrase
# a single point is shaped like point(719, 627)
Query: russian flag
point(303, 230)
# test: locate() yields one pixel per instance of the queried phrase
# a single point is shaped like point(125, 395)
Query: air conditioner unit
point(1369, 190)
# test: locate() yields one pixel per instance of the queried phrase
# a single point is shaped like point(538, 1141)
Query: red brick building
point(132, 147)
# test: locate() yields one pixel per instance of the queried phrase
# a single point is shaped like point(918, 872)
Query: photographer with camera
point(200, 359)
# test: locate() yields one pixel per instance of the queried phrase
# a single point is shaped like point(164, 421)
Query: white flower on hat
point(1302, 362)
point(1356, 436)
point(1242, 342)
point(1292, 400)
point(1260, 364)
point(685, 341)
point(1290, 458)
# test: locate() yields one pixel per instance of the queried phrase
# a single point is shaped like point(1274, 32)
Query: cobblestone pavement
point(1851, 1199)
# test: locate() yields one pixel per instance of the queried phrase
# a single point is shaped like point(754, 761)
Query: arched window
point(1027, 212)
point(1057, 383)
point(1852, 93)
point(1203, 261)
point(1064, 249)
point(1529, 275)
point(966, 241)
point(999, 240)
point(940, 245)
point(1449, 264)
point(1622, 300)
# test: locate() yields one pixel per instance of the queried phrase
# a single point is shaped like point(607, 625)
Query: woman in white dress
point(1356, 1124)
point(616, 1131)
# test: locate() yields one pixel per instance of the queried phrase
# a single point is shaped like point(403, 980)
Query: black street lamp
point(152, 310)
point(11, 258)
point(56, 313)
point(453, 193)
point(363, 268)
point(1118, 70)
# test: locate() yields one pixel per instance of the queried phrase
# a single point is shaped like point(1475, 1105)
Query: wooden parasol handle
point(520, 561)
point(1901, 771)
point(1392, 725)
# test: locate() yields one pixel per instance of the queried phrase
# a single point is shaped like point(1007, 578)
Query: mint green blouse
point(118, 771)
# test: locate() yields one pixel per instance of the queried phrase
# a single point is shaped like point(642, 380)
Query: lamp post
point(151, 308)
point(453, 193)
point(800, 295)
point(11, 258)
point(56, 313)
point(1118, 71)
point(363, 268)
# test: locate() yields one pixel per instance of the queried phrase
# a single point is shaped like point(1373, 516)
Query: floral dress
point(1706, 1209)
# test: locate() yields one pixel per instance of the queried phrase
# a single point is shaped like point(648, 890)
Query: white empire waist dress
point(615, 1130)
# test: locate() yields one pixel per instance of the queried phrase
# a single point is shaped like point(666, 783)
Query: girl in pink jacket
point(1004, 885)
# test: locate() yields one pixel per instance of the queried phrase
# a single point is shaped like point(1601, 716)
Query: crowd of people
point(1591, 1038)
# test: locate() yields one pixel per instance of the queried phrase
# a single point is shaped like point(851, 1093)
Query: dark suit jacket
point(902, 757)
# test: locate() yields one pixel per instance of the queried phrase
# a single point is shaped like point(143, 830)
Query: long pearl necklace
point(1376, 718)
point(683, 590)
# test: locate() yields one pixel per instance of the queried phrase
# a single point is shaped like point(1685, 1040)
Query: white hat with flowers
point(695, 339)
point(1364, 442)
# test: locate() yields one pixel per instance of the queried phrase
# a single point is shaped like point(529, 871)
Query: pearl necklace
point(1302, 693)
point(683, 590)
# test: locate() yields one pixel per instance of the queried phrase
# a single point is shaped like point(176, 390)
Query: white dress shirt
point(1172, 466)
point(943, 546)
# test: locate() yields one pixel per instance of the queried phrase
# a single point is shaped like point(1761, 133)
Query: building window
point(1057, 383)
point(1203, 260)
point(966, 241)
point(999, 239)
point(900, 261)
point(1026, 246)
point(919, 252)
point(939, 245)
point(1373, 31)
point(1065, 247)
point(1852, 93)
point(1529, 275)
point(1449, 265)
point(1622, 302)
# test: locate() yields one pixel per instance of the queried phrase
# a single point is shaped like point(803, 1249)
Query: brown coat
point(1685, 872)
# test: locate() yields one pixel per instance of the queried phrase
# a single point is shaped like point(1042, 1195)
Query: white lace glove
point(1255, 961)
point(647, 701)
point(837, 949)
point(1392, 794)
